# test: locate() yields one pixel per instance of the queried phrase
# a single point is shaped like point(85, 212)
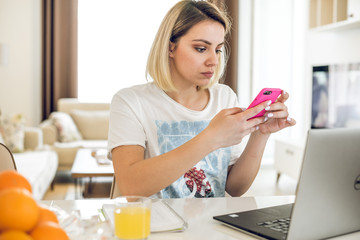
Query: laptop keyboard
point(279, 225)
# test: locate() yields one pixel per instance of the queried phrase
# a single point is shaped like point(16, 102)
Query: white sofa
point(89, 123)
point(36, 163)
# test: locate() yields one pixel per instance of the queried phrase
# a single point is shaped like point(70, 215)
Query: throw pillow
point(67, 130)
point(12, 131)
point(93, 125)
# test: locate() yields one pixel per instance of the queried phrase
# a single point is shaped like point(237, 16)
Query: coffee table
point(91, 163)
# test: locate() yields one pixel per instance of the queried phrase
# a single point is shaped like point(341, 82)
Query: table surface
point(85, 165)
point(197, 212)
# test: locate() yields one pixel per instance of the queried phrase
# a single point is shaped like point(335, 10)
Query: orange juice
point(132, 222)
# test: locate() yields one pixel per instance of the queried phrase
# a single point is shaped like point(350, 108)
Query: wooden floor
point(66, 189)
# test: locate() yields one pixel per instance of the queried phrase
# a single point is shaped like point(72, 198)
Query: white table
point(86, 165)
point(198, 213)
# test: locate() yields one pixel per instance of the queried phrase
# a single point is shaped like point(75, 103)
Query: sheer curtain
point(278, 46)
point(114, 41)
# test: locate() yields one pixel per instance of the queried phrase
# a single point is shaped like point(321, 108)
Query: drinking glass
point(132, 217)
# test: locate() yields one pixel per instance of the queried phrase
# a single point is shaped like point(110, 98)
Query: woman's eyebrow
point(206, 42)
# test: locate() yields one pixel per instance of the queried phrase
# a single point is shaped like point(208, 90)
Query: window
point(271, 54)
point(114, 41)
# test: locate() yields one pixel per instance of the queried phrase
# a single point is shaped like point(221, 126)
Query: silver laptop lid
point(328, 194)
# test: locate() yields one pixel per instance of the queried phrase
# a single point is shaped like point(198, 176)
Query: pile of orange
point(21, 217)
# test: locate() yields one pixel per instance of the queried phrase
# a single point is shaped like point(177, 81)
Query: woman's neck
point(192, 98)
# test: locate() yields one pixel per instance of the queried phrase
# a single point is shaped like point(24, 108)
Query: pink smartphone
point(264, 95)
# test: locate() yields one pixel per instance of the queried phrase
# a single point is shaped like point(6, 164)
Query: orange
point(18, 210)
point(49, 230)
point(11, 178)
point(15, 235)
point(46, 215)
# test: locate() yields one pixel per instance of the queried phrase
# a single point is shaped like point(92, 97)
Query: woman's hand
point(276, 116)
point(231, 125)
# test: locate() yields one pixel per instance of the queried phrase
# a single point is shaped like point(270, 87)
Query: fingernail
point(257, 128)
point(270, 115)
point(269, 102)
point(283, 91)
point(267, 108)
point(289, 119)
point(265, 119)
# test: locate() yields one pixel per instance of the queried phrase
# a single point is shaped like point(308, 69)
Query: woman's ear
point(171, 49)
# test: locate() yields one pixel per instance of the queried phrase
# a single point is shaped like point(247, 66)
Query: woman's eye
point(200, 49)
point(218, 51)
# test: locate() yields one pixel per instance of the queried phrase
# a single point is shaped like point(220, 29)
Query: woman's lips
point(208, 74)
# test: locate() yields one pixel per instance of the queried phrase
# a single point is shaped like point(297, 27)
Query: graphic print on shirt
point(208, 177)
point(198, 184)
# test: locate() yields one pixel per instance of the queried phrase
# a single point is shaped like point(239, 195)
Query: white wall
point(20, 78)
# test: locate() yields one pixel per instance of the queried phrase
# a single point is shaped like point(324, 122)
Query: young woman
point(179, 135)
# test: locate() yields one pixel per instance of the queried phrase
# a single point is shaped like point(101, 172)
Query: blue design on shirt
point(211, 171)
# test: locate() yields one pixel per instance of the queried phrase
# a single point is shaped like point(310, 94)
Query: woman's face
point(193, 59)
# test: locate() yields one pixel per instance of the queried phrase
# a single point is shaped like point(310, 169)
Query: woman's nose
point(213, 59)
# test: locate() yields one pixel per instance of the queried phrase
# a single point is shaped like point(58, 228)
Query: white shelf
point(339, 26)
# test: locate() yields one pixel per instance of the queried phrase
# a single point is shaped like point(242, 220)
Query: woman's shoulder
point(224, 95)
point(222, 89)
point(137, 90)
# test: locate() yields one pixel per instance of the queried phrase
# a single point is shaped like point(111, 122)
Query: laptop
point(327, 197)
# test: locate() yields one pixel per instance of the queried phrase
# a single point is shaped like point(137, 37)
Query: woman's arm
point(138, 176)
point(243, 172)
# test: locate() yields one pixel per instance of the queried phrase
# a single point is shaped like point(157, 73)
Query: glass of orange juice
point(132, 217)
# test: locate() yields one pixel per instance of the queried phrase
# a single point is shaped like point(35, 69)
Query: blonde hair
point(177, 22)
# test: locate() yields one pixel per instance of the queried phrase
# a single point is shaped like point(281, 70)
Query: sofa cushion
point(39, 167)
point(92, 124)
point(94, 144)
point(67, 130)
point(33, 138)
point(12, 132)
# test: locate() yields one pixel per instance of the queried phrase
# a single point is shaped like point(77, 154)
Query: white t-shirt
point(145, 115)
